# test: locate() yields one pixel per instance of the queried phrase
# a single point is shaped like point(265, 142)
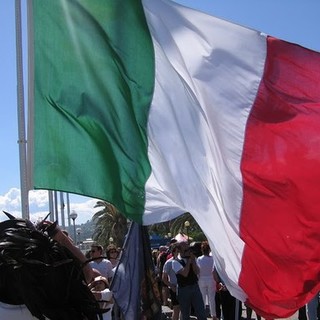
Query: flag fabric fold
point(161, 109)
point(134, 286)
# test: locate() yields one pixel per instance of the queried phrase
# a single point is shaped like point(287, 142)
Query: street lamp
point(78, 234)
point(187, 225)
point(110, 240)
point(73, 216)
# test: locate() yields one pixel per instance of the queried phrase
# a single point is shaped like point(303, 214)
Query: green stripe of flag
point(94, 78)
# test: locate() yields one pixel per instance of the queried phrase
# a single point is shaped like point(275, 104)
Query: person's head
point(172, 241)
point(96, 251)
point(184, 249)
point(99, 283)
point(163, 249)
point(205, 248)
point(174, 249)
point(112, 252)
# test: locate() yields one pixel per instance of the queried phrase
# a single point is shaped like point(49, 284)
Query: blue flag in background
point(134, 286)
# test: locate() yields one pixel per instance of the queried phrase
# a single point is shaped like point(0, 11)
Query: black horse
point(38, 272)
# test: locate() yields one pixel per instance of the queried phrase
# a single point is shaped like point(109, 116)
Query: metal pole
point(62, 205)
point(74, 232)
point(51, 208)
point(21, 116)
point(237, 307)
point(73, 216)
point(68, 208)
point(56, 210)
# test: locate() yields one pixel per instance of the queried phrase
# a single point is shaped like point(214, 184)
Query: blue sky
point(292, 20)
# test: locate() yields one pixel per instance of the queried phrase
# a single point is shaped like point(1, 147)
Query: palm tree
point(178, 225)
point(109, 223)
point(162, 228)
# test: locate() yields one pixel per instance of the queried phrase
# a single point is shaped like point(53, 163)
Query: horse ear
point(41, 225)
point(46, 217)
point(10, 216)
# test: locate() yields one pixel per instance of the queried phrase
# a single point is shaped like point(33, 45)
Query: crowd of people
point(189, 284)
point(31, 263)
point(104, 262)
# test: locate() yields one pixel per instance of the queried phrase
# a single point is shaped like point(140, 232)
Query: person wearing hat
point(100, 289)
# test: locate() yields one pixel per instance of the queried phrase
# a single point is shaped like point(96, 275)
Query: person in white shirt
point(189, 295)
point(100, 288)
point(169, 278)
point(103, 265)
point(207, 284)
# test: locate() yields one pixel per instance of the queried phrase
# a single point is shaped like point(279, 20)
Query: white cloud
point(38, 198)
point(10, 202)
point(39, 205)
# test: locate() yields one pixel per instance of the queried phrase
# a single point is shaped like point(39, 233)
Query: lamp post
point(110, 240)
point(187, 225)
point(73, 216)
point(78, 235)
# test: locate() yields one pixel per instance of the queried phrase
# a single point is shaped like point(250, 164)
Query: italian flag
point(161, 110)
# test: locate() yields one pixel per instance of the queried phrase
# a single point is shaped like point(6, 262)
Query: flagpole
point(68, 208)
point(21, 115)
point(62, 205)
point(56, 210)
point(51, 207)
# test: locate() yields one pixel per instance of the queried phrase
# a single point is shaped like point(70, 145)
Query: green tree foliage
point(177, 225)
point(109, 223)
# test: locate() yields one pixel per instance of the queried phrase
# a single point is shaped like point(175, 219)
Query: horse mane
point(35, 270)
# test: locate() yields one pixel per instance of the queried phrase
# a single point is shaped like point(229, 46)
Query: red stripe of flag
point(280, 166)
